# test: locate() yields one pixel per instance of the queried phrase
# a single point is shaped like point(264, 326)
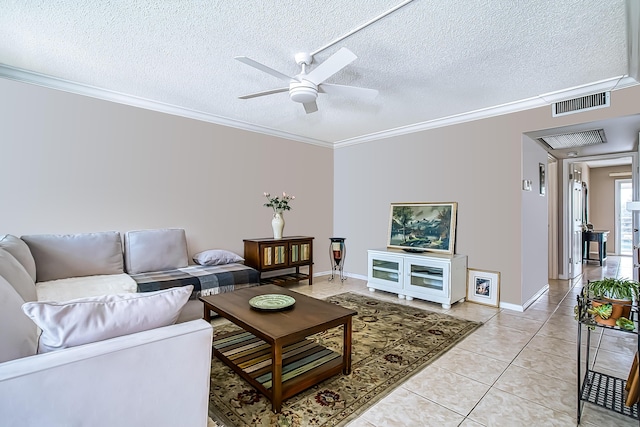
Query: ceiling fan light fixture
point(303, 92)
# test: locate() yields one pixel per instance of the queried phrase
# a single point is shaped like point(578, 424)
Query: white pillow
point(85, 320)
point(216, 257)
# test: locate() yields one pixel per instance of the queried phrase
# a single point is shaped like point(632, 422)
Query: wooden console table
point(599, 236)
point(267, 254)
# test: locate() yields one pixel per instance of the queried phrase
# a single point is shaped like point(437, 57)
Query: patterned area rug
point(390, 343)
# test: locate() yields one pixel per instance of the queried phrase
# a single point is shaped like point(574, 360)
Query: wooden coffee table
point(272, 352)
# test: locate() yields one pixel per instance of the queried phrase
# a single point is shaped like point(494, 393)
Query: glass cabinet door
point(385, 270)
point(274, 255)
point(430, 279)
point(299, 253)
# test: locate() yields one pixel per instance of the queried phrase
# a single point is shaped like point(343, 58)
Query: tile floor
point(518, 369)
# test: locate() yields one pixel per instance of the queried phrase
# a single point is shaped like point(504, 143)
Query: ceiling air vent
point(575, 139)
point(584, 103)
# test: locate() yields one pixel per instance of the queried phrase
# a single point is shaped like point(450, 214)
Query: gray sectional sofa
point(81, 345)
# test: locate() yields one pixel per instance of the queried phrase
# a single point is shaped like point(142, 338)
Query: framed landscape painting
point(423, 227)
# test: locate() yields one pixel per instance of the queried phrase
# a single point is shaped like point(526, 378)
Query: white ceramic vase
point(277, 223)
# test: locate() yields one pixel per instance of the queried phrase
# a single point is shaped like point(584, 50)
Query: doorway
point(568, 237)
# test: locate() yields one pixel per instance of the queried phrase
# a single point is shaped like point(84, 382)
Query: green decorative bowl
point(272, 302)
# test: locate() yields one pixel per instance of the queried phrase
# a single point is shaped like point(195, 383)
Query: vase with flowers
point(279, 205)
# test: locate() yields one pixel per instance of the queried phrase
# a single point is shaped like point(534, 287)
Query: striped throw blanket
point(206, 280)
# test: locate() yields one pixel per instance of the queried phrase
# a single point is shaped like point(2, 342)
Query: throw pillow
point(86, 320)
point(216, 257)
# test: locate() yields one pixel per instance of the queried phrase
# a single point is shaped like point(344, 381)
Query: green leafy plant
point(622, 289)
point(625, 323)
point(587, 320)
point(604, 310)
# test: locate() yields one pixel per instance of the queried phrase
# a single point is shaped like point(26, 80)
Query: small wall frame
point(483, 287)
point(542, 171)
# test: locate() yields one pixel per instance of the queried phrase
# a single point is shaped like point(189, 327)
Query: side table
point(268, 254)
point(598, 236)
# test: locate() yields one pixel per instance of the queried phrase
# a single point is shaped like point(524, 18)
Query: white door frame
point(552, 200)
point(566, 220)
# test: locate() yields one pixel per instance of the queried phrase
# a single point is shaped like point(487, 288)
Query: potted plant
point(612, 299)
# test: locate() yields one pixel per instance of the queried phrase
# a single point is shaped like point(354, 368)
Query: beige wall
point(478, 164)
point(72, 164)
point(602, 192)
point(534, 231)
point(77, 164)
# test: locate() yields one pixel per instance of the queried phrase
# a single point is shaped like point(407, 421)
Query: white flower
point(278, 204)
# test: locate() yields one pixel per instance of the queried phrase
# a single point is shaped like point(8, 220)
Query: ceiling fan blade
point(264, 68)
point(347, 90)
point(266, 92)
point(332, 65)
point(310, 107)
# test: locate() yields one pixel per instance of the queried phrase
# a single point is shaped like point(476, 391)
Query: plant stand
point(596, 387)
point(337, 253)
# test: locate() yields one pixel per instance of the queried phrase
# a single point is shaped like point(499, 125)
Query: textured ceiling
point(429, 60)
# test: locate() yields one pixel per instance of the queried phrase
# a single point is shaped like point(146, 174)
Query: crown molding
point(25, 76)
point(512, 107)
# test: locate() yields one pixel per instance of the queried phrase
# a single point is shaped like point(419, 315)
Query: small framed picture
point(483, 287)
point(543, 183)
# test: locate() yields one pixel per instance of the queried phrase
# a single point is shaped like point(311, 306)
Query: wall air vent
point(574, 139)
point(584, 103)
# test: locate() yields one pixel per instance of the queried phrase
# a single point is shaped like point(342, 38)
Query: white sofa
point(156, 377)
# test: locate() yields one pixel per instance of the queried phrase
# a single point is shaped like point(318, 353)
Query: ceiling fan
point(304, 87)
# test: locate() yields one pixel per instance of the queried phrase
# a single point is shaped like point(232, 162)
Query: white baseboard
point(328, 273)
point(523, 307)
point(509, 306)
point(536, 296)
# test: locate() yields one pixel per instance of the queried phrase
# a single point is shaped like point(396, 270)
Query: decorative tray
point(272, 302)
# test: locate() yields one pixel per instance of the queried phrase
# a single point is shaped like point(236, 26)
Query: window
point(624, 232)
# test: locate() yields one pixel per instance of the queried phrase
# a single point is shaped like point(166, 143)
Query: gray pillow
point(14, 273)
point(155, 250)
point(60, 256)
point(18, 333)
point(20, 251)
point(216, 257)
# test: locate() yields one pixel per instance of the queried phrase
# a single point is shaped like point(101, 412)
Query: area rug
point(391, 342)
